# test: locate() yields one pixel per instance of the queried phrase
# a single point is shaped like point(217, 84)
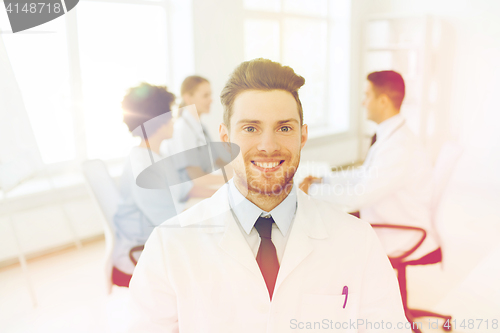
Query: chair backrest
point(105, 194)
point(446, 161)
point(103, 187)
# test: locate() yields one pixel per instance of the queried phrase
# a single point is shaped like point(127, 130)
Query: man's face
point(266, 127)
point(372, 103)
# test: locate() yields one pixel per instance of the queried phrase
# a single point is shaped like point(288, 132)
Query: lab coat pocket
point(329, 312)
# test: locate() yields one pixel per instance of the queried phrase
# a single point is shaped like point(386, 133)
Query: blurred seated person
point(393, 186)
point(140, 209)
point(190, 133)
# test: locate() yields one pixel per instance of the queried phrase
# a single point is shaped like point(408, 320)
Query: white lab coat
point(202, 276)
point(188, 134)
point(394, 186)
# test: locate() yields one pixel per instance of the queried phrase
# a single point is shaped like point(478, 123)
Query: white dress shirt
point(247, 214)
point(392, 187)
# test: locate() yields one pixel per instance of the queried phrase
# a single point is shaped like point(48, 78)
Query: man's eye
point(250, 129)
point(285, 129)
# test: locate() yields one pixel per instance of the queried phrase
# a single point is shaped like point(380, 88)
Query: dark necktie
point(266, 257)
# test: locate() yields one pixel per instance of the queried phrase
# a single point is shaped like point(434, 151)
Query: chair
point(104, 192)
point(447, 158)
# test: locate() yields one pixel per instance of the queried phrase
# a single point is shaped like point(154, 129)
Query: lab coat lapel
point(214, 215)
point(233, 242)
point(235, 245)
point(307, 224)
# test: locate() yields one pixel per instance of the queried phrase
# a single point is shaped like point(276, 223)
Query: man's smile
point(267, 165)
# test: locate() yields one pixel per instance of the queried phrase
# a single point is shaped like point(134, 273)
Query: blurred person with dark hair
point(393, 186)
point(146, 111)
point(190, 133)
point(260, 255)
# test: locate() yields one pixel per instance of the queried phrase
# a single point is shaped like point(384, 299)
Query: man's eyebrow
point(252, 121)
point(291, 120)
point(248, 121)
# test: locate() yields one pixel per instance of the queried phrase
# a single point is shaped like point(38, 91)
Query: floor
point(69, 290)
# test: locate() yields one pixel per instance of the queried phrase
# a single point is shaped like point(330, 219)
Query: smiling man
point(260, 255)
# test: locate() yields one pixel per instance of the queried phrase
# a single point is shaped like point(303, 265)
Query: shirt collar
point(248, 213)
point(386, 127)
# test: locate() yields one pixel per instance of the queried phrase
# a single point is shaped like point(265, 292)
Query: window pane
point(39, 60)
point(262, 39)
point(378, 61)
point(378, 33)
point(340, 9)
point(310, 7)
point(305, 50)
point(115, 57)
point(264, 5)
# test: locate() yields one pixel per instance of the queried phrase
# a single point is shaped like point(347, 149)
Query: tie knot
point(264, 226)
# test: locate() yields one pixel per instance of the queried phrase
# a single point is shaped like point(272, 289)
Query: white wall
point(43, 222)
point(218, 32)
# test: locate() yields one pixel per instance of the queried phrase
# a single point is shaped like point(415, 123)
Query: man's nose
point(269, 142)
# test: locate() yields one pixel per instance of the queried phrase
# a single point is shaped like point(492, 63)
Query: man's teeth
point(267, 165)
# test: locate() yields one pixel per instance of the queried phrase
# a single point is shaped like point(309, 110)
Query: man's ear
point(223, 133)
point(224, 137)
point(385, 100)
point(303, 136)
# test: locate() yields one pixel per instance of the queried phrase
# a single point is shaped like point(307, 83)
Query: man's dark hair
point(145, 102)
point(260, 74)
point(390, 83)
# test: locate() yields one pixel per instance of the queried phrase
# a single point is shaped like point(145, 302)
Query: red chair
point(399, 264)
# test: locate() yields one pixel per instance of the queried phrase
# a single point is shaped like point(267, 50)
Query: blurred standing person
point(190, 133)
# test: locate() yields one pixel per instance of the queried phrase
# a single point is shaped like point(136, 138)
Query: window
point(312, 37)
point(138, 53)
point(47, 94)
point(74, 71)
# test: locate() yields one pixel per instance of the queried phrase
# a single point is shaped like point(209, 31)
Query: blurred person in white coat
point(260, 255)
point(394, 184)
point(190, 133)
point(145, 107)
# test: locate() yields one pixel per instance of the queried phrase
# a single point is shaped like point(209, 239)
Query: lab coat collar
point(388, 126)
point(216, 211)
